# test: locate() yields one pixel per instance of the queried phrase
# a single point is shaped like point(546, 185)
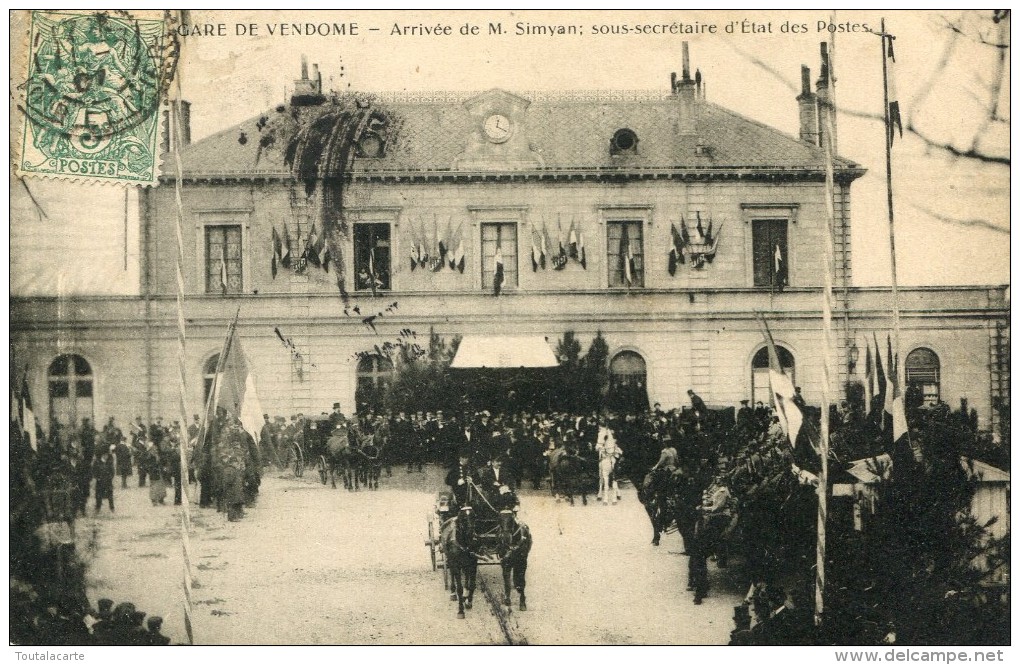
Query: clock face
point(497, 128)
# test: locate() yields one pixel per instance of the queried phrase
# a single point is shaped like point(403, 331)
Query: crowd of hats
point(105, 625)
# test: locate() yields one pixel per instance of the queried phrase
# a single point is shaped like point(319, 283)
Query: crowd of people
point(60, 624)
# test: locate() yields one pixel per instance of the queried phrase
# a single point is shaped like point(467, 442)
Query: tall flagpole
point(827, 346)
point(176, 133)
point(886, 41)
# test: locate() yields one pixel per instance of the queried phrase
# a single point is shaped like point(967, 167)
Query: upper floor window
point(499, 239)
point(770, 253)
point(372, 256)
point(223, 259)
point(625, 253)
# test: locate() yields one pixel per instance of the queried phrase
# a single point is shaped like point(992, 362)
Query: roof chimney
point(822, 89)
point(807, 101)
point(307, 91)
point(686, 91)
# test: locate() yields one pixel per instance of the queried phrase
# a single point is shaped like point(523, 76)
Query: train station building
point(679, 221)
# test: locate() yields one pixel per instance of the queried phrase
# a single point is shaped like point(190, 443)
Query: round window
point(624, 139)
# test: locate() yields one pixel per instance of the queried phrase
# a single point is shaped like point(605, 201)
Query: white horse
point(609, 454)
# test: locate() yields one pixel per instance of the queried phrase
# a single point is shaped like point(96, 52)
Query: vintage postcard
point(510, 327)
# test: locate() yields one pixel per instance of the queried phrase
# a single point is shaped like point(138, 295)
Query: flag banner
point(572, 242)
point(285, 256)
point(28, 413)
point(534, 253)
point(779, 268)
point(869, 377)
point(880, 387)
point(894, 118)
point(783, 391)
point(235, 387)
point(713, 239)
point(699, 228)
point(423, 250)
point(544, 248)
point(899, 413)
point(583, 258)
point(560, 260)
point(223, 267)
point(372, 278)
point(497, 278)
point(413, 249)
point(277, 252)
point(890, 376)
point(626, 257)
point(676, 250)
point(312, 248)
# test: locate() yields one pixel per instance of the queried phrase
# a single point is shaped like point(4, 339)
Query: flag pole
point(889, 189)
point(182, 363)
point(828, 255)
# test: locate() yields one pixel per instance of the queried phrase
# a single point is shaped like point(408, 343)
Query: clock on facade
point(497, 128)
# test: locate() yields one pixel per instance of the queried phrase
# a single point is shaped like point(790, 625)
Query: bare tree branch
point(28, 191)
point(974, 222)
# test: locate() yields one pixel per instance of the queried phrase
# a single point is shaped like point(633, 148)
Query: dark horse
point(369, 463)
point(459, 542)
point(567, 474)
point(513, 547)
point(658, 493)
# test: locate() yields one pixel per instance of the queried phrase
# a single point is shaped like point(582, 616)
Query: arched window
point(923, 377)
point(760, 372)
point(375, 373)
point(70, 389)
point(208, 374)
point(628, 383)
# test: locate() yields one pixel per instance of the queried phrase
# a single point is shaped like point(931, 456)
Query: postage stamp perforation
point(91, 103)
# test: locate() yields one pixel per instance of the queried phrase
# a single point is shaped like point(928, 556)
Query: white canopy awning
point(503, 351)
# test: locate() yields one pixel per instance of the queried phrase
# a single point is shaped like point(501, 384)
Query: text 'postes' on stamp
point(92, 97)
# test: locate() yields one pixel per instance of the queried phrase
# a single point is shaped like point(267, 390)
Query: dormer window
point(624, 142)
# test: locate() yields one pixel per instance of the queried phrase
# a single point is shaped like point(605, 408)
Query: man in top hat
point(495, 476)
point(745, 415)
point(336, 417)
point(154, 637)
point(460, 477)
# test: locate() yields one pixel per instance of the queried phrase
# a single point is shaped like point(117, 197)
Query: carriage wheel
point(299, 462)
point(323, 471)
point(432, 542)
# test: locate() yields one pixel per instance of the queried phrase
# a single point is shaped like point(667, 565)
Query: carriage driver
point(497, 482)
point(459, 477)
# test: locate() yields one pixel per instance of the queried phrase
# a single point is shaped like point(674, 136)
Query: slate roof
point(568, 131)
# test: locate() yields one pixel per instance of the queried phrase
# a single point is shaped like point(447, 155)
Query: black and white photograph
point(511, 327)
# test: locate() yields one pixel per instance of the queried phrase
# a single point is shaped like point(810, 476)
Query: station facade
point(496, 182)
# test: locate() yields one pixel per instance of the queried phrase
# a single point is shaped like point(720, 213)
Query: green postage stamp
point(91, 100)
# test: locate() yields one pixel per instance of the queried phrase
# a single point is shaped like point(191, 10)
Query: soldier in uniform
point(232, 467)
point(123, 452)
point(138, 439)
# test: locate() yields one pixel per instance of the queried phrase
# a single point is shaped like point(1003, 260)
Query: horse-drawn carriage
point(340, 451)
point(462, 537)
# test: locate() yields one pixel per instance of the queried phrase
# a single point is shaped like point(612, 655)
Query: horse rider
point(669, 459)
point(606, 445)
